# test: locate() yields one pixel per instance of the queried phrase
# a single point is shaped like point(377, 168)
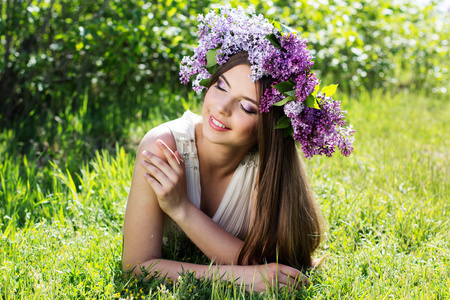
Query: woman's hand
point(269, 275)
point(168, 179)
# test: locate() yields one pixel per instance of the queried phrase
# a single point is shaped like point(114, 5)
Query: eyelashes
point(219, 88)
point(249, 112)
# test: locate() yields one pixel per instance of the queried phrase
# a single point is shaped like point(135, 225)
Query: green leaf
point(284, 101)
point(277, 25)
point(311, 102)
point(284, 86)
point(283, 28)
point(286, 29)
point(213, 69)
point(283, 122)
point(205, 82)
point(290, 93)
point(316, 89)
point(211, 58)
point(273, 39)
point(329, 90)
point(289, 131)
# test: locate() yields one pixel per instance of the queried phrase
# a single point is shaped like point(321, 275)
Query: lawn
point(387, 209)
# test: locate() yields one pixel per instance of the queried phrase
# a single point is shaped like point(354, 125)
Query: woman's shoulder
point(167, 132)
point(185, 123)
point(160, 132)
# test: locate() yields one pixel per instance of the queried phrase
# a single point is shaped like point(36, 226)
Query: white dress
point(233, 213)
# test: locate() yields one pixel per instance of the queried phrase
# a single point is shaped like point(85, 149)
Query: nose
point(224, 105)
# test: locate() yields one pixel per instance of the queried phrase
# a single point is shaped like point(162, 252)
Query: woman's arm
point(167, 178)
point(144, 218)
point(254, 277)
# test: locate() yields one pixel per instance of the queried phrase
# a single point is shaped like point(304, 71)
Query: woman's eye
point(220, 88)
point(219, 85)
point(248, 109)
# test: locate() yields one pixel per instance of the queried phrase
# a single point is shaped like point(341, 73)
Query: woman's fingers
point(155, 184)
point(290, 280)
point(159, 168)
point(291, 277)
point(156, 173)
point(173, 159)
point(318, 261)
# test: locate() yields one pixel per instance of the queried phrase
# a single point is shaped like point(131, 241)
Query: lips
point(217, 125)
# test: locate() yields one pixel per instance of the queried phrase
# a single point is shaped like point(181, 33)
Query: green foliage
point(79, 73)
point(109, 61)
point(370, 43)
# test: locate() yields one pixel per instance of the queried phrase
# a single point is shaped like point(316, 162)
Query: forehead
point(239, 79)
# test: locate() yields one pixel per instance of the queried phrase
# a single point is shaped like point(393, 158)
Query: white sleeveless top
point(233, 213)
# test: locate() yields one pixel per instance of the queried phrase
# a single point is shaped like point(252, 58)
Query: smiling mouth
point(217, 123)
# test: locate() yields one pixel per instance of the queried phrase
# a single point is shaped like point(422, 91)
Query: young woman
point(231, 179)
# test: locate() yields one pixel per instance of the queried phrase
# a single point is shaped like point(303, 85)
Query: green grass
point(387, 209)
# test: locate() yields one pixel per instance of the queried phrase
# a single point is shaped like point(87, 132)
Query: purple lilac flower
point(231, 31)
point(292, 60)
point(270, 97)
point(305, 84)
point(319, 131)
point(293, 108)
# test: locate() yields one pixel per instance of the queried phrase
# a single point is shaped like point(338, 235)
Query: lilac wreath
point(312, 117)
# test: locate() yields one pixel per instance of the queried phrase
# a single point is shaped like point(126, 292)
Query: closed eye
point(247, 110)
point(219, 88)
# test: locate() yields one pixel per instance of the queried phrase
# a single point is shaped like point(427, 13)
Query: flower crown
point(313, 118)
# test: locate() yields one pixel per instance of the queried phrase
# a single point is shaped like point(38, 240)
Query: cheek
point(252, 130)
point(209, 96)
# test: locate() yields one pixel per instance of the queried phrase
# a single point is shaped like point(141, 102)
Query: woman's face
point(231, 109)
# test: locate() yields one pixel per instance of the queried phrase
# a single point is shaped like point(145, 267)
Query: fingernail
point(159, 142)
point(145, 153)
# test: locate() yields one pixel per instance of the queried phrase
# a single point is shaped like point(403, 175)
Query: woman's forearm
point(252, 277)
point(172, 269)
point(214, 241)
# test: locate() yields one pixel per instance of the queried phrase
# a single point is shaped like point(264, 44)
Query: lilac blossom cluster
point(270, 97)
point(304, 85)
point(319, 131)
point(231, 31)
point(317, 121)
point(290, 60)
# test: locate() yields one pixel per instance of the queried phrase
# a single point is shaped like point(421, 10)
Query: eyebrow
point(246, 98)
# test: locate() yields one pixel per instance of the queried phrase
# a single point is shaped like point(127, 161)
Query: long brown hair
point(287, 223)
